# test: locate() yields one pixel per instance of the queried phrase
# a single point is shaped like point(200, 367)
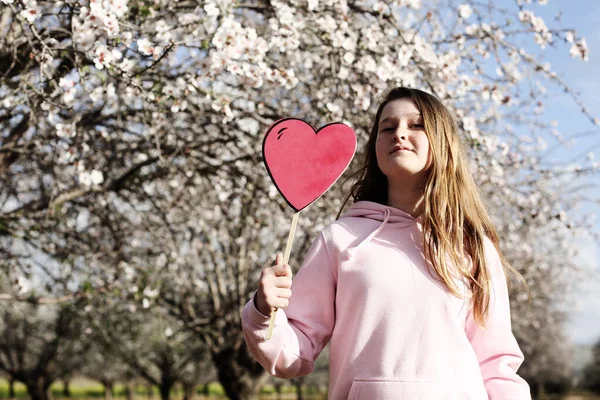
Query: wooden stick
point(286, 258)
point(288, 246)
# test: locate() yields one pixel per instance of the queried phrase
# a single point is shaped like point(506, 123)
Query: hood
point(379, 212)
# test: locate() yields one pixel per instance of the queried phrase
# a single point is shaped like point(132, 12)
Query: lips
point(399, 148)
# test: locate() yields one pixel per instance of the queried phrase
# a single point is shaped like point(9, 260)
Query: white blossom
point(211, 9)
point(381, 7)
point(31, 11)
point(161, 261)
point(23, 285)
point(343, 73)
point(469, 123)
point(66, 83)
point(579, 49)
point(570, 36)
point(363, 103)
point(150, 293)
point(111, 92)
point(90, 178)
point(118, 7)
point(465, 11)
point(326, 23)
point(97, 94)
point(285, 13)
point(145, 46)
point(104, 57)
point(65, 130)
point(349, 58)
point(127, 38)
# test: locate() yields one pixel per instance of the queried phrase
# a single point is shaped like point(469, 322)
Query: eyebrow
point(394, 118)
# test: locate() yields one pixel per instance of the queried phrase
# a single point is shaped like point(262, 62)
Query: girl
point(408, 286)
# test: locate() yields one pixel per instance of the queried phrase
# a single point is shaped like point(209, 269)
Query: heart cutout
point(303, 162)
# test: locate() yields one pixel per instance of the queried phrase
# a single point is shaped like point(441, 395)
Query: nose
point(399, 135)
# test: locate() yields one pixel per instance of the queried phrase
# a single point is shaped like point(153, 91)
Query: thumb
point(279, 259)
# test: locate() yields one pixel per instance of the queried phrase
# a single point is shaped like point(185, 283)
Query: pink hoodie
point(395, 332)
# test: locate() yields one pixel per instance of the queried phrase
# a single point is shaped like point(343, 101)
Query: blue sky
point(584, 78)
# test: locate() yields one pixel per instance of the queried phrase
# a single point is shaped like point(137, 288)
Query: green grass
point(82, 388)
point(87, 388)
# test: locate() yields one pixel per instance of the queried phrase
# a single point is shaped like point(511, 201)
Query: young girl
point(408, 286)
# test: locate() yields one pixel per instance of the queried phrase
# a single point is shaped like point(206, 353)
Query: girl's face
point(402, 147)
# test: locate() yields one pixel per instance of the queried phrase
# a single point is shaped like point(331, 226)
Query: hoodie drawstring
point(376, 232)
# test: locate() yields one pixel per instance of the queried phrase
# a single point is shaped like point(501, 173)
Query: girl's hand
point(274, 287)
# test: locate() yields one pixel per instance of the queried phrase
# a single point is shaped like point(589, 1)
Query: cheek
point(427, 153)
point(424, 147)
point(379, 148)
point(429, 162)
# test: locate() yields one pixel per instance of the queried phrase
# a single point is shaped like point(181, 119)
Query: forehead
point(400, 108)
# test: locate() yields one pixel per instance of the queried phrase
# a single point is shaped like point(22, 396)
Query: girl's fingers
point(283, 282)
point(283, 293)
point(274, 285)
point(279, 303)
point(283, 270)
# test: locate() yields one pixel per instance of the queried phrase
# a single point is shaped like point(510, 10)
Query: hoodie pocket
point(395, 389)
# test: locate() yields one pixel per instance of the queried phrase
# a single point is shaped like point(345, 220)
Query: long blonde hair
point(456, 220)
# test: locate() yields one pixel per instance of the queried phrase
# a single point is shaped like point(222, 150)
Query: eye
point(418, 126)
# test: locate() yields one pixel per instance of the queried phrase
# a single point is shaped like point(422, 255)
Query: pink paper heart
point(303, 162)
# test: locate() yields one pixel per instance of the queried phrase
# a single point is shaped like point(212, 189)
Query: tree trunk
point(165, 389)
point(11, 388)
point(129, 390)
point(535, 390)
point(278, 386)
point(37, 387)
point(298, 383)
point(108, 390)
point(238, 373)
point(149, 391)
point(189, 391)
point(66, 388)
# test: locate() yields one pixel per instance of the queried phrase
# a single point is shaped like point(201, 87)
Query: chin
point(399, 173)
point(402, 172)
point(403, 169)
